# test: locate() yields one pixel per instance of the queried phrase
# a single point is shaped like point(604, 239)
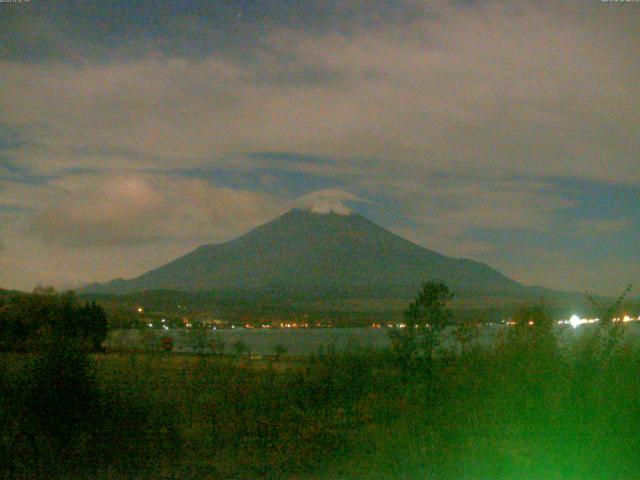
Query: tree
point(606, 313)
point(532, 317)
point(466, 333)
point(279, 350)
point(167, 343)
point(533, 331)
point(198, 339)
point(239, 347)
point(40, 290)
point(217, 344)
point(85, 324)
point(32, 322)
point(425, 318)
point(93, 326)
point(608, 335)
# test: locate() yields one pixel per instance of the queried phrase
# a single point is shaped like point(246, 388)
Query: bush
point(33, 322)
point(62, 423)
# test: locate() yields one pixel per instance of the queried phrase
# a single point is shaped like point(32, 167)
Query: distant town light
point(140, 309)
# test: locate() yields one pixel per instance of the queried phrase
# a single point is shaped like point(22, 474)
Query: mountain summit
point(323, 254)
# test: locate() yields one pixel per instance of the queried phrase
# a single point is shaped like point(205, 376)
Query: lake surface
point(257, 341)
point(303, 341)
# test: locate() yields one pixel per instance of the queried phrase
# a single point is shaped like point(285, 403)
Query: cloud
point(451, 90)
point(83, 228)
point(603, 227)
point(444, 210)
point(452, 116)
point(143, 209)
point(327, 201)
point(556, 269)
point(100, 227)
point(288, 157)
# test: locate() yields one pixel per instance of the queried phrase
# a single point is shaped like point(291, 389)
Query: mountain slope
point(327, 254)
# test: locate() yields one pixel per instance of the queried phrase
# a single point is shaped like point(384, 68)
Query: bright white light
point(575, 321)
point(150, 324)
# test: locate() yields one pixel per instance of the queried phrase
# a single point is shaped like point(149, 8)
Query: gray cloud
point(443, 212)
point(484, 93)
point(534, 90)
point(288, 157)
point(142, 209)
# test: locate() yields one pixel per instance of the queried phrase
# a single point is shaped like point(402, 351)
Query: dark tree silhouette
point(425, 318)
point(31, 322)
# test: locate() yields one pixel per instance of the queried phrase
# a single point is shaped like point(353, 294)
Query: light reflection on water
point(303, 341)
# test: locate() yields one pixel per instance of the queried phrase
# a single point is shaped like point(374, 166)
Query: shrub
point(167, 343)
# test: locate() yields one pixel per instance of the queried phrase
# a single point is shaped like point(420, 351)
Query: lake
point(303, 341)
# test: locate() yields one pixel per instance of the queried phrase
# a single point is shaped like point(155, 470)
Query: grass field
point(515, 411)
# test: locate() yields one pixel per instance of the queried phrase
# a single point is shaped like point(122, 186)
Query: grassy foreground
point(523, 409)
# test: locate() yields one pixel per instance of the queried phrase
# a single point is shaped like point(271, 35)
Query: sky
point(502, 131)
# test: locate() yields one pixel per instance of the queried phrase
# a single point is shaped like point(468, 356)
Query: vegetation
point(425, 318)
point(527, 406)
point(241, 307)
point(279, 351)
point(31, 323)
